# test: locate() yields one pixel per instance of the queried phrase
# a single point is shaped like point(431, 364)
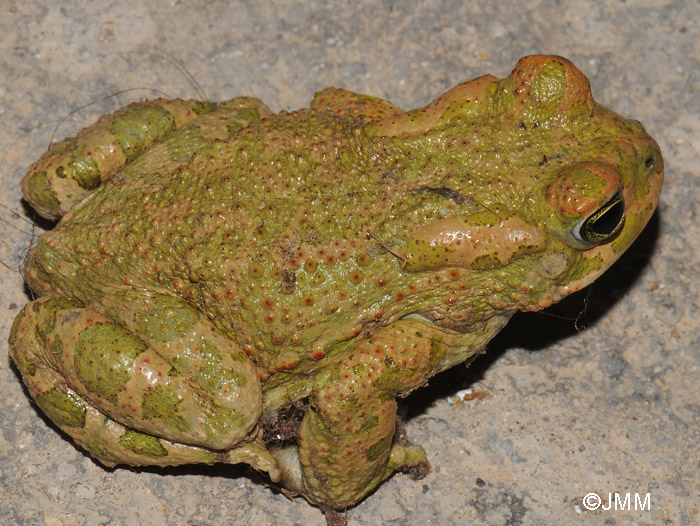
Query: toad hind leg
point(346, 443)
point(174, 381)
point(154, 137)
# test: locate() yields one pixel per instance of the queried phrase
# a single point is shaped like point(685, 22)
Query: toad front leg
point(161, 387)
point(346, 443)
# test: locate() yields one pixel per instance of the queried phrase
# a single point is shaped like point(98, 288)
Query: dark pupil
point(649, 163)
point(607, 222)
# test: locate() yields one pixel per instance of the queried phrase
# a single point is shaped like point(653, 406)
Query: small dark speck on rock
point(480, 482)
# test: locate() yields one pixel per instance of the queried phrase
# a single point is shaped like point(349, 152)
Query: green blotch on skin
point(83, 170)
point(40, 190)
point(64, 408)
point(104, 358)
point(548, 87)
point(212, 376)
point(143, 444)
point(543, 95)
point(422, 256)
point(161, 404)
point(139, 126)
point(379, 448)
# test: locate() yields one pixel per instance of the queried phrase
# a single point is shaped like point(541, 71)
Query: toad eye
point(650, 162)
point(603, 223)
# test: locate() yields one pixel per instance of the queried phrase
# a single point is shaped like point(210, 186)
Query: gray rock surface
point(612, 408)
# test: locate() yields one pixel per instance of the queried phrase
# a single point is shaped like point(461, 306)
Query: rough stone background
point(612, 408)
